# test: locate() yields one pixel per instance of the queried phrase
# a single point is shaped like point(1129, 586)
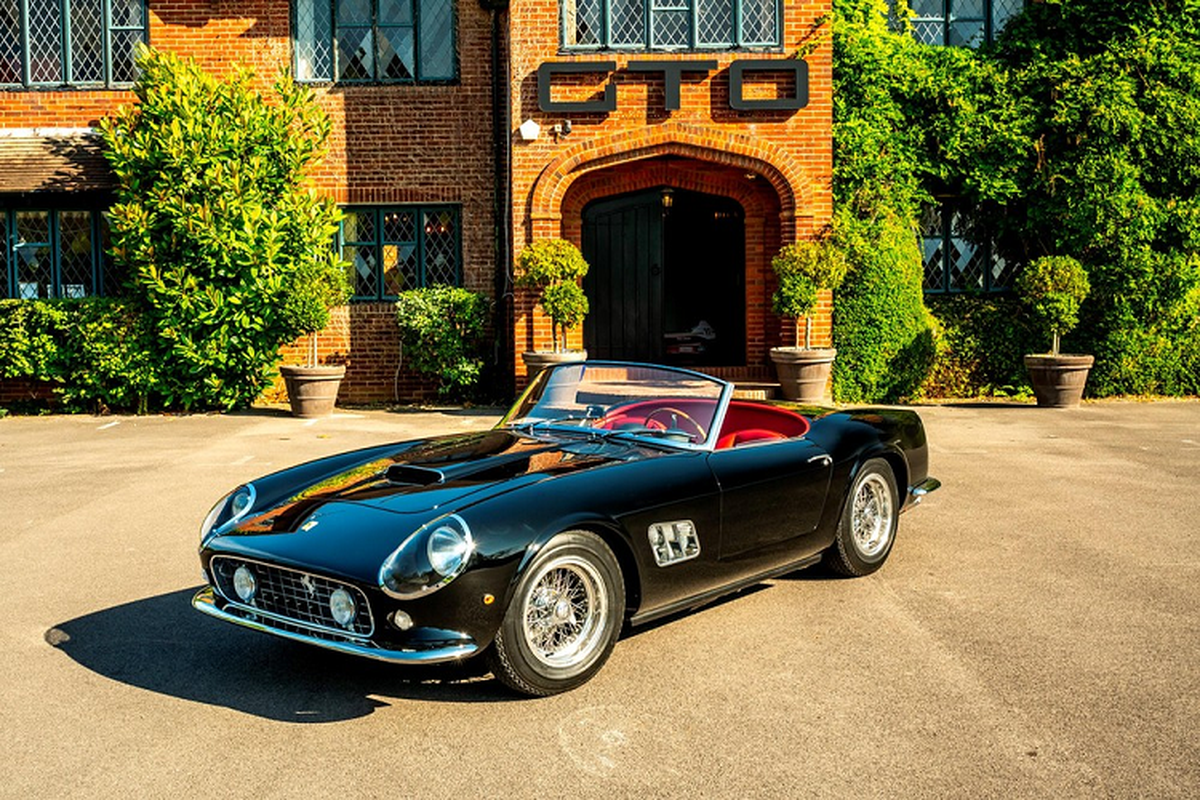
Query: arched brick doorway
point(662, 272)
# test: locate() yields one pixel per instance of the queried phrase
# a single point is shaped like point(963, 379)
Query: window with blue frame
point(956, 258)
point(961, 23)
point(670, 24)
point(374, 41)
point(57, 253)
point(395, 248)
point(49, 43)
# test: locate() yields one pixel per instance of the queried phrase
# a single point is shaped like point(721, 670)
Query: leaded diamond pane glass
point(583, 22)
point(399, 268)
point(354, 12)
point(437, 56)
point(75, 253)
point(1002, 12)
point(441, 247)
point(967, 33)
point(362, 268)
point(395, 12)
point(931, 245)
point(628, 23)
point(928, 8)
point(672, 25)
point(399, 226)
point(356, 55)
point(1002, 272)
point(124, 69)
point(87, 41)
point(396, 54)
point(966, 260)
point(715, 22)
point(10, 43)
point(963, 9)
point(45, 41)
point(760, 23)
point(128, 13)
point(35, 266)
point(314, 41)
point(928, 32)
point(358, 226)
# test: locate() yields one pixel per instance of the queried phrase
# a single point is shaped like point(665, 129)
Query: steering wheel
point(697, 432)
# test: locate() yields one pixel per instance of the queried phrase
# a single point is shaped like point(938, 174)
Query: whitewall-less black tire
point(867, 528)
point(564, 618)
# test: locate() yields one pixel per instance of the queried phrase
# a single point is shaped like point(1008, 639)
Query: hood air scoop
point(408, 475)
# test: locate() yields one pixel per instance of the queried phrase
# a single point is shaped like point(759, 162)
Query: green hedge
point(95, 351)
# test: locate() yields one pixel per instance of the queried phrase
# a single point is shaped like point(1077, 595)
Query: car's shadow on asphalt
point(160, 644)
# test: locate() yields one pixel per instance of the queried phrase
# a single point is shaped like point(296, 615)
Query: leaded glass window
point(396, 248)
point(46, 43)
point(670, 24)
point(961, 23)
point(957, 258)
point(55, 254)
point(374, 41)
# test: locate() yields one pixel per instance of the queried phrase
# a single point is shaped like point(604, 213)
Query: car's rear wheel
point(867, 528)
point(564, 618)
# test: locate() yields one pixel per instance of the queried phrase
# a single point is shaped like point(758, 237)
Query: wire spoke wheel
point(871, 523)
point(867, 528)
point(564, 612)
point(563, 619)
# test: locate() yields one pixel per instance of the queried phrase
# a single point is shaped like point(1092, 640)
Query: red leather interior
point(744, 422)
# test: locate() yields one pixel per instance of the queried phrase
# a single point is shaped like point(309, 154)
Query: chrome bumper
point(204, 602)
point(918, 492)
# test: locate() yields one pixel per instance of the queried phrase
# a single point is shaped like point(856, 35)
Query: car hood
point(442, 475)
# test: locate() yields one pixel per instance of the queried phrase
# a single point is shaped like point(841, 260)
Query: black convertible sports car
point(610, 493)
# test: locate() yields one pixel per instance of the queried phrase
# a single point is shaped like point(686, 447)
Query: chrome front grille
point(291, 597)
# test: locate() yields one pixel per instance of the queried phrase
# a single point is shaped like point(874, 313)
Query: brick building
point(680, 143)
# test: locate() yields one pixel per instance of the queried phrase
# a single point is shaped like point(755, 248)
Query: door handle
point(823, 459)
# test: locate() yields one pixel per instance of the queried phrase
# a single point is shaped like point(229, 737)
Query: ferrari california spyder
point(611, 494)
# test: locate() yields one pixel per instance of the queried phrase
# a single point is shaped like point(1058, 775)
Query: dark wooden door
point(623, 243)
point(656, 271)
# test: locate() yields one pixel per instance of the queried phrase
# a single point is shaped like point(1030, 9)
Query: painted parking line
point(112, 424)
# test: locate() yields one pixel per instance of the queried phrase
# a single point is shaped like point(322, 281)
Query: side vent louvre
point(414, 476)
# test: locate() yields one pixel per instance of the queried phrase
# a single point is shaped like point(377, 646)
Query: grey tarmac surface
point(1036, 633)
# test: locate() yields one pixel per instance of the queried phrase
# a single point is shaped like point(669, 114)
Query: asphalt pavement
point(1035, 633)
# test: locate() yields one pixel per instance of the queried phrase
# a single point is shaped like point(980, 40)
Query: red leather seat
point(747, 435)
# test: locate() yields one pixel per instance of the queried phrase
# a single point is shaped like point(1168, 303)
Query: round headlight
point(341, 605)
point(244, 583)
point(242, 500)
point(447, 548)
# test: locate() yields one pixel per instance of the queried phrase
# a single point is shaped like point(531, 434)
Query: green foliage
point(1054, 287)
point(96, 351)
point(805, 268)
point(226, 247)
point(981, 348)
point(551, 266)
point(883, 333)
point(443, 330)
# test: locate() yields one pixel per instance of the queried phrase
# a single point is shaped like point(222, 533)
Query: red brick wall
point(390, 144)
point(712, 148)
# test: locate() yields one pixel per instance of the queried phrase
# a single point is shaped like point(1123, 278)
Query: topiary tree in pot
point(554, 267)
point(1053, 288)
point(804, 269)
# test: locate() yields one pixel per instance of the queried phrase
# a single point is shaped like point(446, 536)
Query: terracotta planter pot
point(312, 391)
point(803, 374)
point(538, 360)
point(1058, 380)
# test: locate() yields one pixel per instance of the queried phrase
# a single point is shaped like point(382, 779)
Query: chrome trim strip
point(292, 620)
point(205, 603)
point(925, 487)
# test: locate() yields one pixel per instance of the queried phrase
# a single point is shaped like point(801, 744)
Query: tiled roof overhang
point(53, 160)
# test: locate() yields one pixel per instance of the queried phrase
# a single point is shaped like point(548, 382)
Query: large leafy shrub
point(226, 246)
point(443, 330)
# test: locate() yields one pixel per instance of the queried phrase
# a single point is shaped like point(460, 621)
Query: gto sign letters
point(672, 72)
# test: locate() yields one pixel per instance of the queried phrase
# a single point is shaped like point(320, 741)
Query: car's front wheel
point(867, 529)
point(564, 618)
